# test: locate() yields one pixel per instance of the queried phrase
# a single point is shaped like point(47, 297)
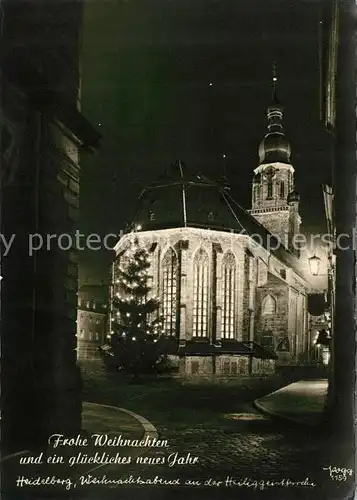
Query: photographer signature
point(338, 473)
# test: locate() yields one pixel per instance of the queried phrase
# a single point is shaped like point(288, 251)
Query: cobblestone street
point(220, 426)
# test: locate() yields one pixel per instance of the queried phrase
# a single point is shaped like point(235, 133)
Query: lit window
point(228, 293)
point(268, 306)
point(200, 294)
point(169, 291)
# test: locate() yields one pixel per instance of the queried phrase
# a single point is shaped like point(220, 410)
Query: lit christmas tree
point(136, 328)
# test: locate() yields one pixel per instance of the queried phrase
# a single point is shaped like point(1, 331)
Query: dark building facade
point(338, 105)
point(344, 343)
point(42, 136)
point(329, 35)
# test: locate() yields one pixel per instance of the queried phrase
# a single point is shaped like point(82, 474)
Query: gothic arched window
point(282, 190)
point(200, 294)
point(228, 293)
point(270, 189)
point(169, 291)
point(268, 306)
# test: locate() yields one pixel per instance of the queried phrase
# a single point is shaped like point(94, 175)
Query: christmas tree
point(136, 326)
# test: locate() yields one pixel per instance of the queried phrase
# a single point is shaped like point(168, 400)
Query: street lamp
point(314, 263)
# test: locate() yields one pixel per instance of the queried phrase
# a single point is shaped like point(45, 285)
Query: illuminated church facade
point(233, 299)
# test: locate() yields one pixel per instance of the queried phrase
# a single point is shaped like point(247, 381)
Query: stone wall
point(88, 351)
point(225, 365)
point(277, 323)
point(276, 222)
point(232, 365)
point(196, 365)
point(263, 366)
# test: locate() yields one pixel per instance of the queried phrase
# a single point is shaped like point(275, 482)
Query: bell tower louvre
point(275, 203)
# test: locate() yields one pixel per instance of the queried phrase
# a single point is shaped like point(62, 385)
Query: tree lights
point(135, 321)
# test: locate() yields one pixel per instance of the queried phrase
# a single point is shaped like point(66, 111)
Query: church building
point(231, 284)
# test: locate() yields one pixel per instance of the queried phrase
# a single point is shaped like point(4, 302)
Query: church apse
point(224, 291)
point(200, 278)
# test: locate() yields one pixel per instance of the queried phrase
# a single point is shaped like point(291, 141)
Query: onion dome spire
point(274, 147)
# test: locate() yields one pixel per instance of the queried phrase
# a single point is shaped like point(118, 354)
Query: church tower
point(275, 203)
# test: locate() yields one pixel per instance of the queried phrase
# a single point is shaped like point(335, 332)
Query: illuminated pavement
point(301, 402)
point(247, 445)
point(230, 438)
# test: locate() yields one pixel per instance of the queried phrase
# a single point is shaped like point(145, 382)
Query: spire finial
point(274, 79)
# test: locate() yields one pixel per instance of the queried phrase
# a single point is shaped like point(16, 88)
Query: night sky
point(147, 67)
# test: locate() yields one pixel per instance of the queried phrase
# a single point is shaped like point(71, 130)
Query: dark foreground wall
point(42, 132)
point(344, 344)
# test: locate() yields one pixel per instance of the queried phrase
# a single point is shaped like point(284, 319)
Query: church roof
point(183, 198)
